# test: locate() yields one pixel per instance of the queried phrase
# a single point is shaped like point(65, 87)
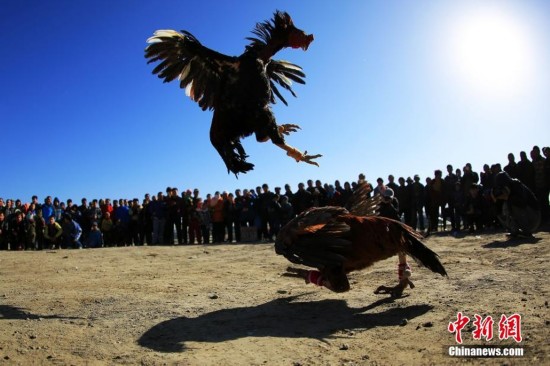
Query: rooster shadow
point(282, 318)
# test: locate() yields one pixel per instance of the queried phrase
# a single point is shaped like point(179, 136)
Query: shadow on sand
point(17, 313)
point(277, 318)
point(511, 242)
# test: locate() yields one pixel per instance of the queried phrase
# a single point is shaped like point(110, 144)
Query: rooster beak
point(308, 40)
point(300, 39)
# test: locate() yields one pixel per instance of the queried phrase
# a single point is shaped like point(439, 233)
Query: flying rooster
point(239, 89)
point(337, 241)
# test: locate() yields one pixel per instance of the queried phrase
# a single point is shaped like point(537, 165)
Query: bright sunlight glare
point(492, 53)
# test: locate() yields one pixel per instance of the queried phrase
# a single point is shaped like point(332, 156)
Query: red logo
point(456, 327)
point(508, 327)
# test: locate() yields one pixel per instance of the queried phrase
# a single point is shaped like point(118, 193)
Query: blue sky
point(396, 87)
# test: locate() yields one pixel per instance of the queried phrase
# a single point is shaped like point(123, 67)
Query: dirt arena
point(230, 305)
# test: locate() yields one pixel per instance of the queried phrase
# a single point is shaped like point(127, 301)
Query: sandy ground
point(230, 305)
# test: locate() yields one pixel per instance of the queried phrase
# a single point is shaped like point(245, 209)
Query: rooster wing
point(201, 70)
point(198, 68)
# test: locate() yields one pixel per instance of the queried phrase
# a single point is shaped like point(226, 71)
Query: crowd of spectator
point(461, 197)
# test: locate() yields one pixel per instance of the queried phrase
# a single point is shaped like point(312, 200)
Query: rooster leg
point(332, 278)
point(234, 156)
point(404, 281)
point(298, 155)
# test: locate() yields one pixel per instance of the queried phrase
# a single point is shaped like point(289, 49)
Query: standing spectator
point(69, 207)
point(57, 209)
point(287, 211)
point(52, 234)
point(391, 183)
point(334, 197)
point(17, 231)
point(74, 211)
point(195, 221)
point(540, 181)
point(458, 174)
point(93, 213)
point(247, 212)
point(47, 208)
point(403, 196)
point(389, 207)
point(3, 231)
point(106, 207)
point(37, 205)
point(310, 188)
point(146, 221)
point(30, 232)
point(380, 187)
point(237, 211)
point(205, 220)
point(19, 206)
point(473, 208)
point(487, 178)
point(512, 167)
point(239, 207)
point(135, 223)
point(185, 207)
point(216, 213)
point(303, 199)
point(266, 198)
point(417, 203)
point(34, 225)
point(450, 182)
point(83, 219)
point(316, 198)
point(229, 215)
point(526, 171)
point(428, 202)
point(469, 177)
point(173, 217)
point(107, 228)
point(546, 151)
point(274, 215)
point(437, 200)
point(323, 194)
point(288, 193)
point(338, 186)
point(346, 194)
point(122, 223)
point(9, 210)
point(257, 207)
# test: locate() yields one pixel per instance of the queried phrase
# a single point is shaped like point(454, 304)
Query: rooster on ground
point(337, 241)
point(238, 89)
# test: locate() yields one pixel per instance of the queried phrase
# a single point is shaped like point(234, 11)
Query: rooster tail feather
point(422, 254)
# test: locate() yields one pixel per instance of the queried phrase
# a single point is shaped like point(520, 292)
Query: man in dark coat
point(517, 207)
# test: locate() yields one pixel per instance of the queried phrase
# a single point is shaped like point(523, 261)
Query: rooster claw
point(396, 291)
point(295, 272)
point(309, 158)
point(288, 128)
